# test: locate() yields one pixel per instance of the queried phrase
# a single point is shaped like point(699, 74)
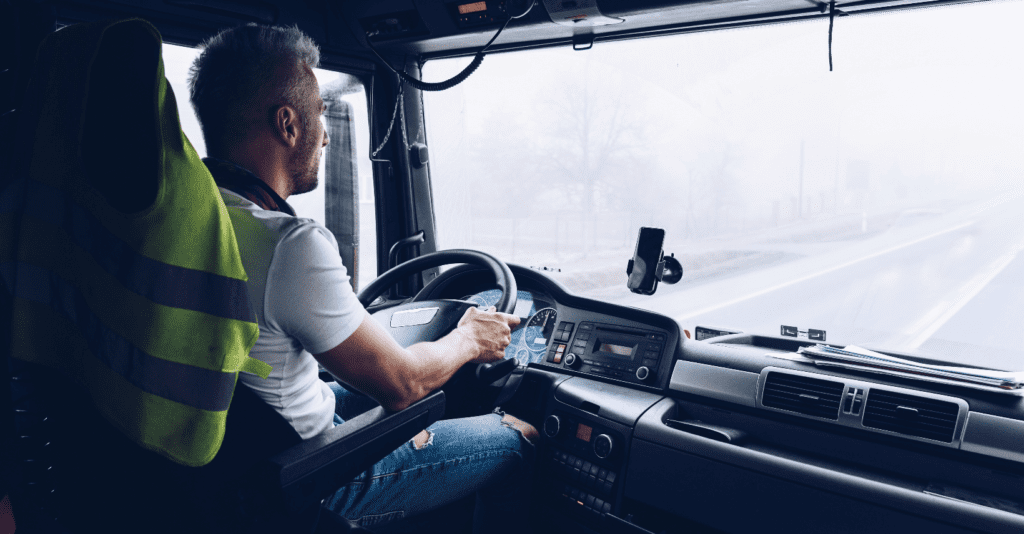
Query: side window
point(336, 87)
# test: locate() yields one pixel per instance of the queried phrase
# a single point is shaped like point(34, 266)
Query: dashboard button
point(643, 373)
point(552, 425)
point(603, 446)
point(586, 326)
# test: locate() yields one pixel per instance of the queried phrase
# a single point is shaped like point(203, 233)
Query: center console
point(586, 431)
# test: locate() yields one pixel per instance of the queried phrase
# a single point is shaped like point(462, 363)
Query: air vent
point(911, 415)
point(809, 396)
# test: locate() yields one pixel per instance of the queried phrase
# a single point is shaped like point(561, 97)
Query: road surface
point(945, 285)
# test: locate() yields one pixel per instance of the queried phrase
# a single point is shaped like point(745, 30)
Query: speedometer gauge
point(538, 331)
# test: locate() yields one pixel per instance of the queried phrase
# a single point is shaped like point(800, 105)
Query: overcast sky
point(924, 100)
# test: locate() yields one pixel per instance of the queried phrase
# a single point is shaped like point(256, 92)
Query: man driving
point(259, 105)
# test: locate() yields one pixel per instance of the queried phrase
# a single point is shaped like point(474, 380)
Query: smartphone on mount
point(642, 268)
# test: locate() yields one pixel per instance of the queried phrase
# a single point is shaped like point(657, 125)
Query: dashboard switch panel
point(556, 353)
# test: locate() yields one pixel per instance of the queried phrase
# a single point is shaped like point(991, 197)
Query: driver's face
point(305, 161)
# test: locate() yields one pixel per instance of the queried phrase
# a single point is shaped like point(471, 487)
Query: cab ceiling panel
point(442, 28)
point(188, 22)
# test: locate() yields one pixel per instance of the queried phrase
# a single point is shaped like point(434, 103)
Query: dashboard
point(571, 334)
point(717, 423)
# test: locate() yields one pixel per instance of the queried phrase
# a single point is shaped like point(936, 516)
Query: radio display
point(466, 9)
point(583, 432)
point(618, 350)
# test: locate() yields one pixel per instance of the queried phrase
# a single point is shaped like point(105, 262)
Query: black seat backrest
point(80, 470)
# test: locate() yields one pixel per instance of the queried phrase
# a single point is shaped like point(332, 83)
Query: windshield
point(881, 202)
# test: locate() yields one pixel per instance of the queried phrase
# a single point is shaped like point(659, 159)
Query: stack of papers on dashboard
point(858, 359)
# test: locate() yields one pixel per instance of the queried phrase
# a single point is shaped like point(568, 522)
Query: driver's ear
point(286, 125)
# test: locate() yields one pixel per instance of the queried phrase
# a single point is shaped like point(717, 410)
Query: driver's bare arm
point(371, 361)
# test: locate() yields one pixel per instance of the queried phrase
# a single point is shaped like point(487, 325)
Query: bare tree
point(592, 141)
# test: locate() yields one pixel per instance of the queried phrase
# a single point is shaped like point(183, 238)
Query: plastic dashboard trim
point(976, 432)
point(857, 421)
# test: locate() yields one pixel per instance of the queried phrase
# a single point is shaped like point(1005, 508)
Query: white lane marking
point(939, 315)
point(681, 318)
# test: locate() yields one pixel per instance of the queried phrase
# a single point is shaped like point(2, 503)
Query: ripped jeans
point(480, 455)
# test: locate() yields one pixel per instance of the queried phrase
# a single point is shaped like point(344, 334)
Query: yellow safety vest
point(148, 310)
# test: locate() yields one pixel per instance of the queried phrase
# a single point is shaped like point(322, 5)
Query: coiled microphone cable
point(458, 78)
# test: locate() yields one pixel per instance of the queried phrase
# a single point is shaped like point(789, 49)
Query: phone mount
point(649, 264)
point(667, 270)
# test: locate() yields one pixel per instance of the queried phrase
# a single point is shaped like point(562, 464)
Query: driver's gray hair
point(235, 66)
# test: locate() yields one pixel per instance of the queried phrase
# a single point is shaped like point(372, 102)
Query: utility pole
point(800, 206)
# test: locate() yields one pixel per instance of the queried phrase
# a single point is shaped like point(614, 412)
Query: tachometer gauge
point(538, 331)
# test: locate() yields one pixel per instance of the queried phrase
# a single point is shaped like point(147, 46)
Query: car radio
point(609, 350)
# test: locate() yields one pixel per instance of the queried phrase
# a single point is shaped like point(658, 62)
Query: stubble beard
point(305, 166)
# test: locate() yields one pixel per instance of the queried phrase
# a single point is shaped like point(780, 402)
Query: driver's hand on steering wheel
point(488, 331)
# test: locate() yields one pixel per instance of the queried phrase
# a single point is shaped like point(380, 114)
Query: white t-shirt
point(304, 303)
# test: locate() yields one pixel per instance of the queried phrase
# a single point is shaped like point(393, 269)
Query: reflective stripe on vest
point(149, 311)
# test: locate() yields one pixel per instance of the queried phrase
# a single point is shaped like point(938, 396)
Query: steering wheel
point(428, 320)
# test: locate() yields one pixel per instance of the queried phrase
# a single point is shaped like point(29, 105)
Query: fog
point(728, 133)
